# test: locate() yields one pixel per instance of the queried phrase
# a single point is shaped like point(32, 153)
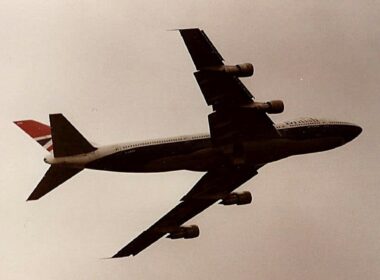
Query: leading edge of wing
point(201, 49)
point(144, 240)
point(171, 221)
point(214, 185)
point(218, 85)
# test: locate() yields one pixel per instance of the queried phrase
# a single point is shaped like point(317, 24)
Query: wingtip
point(120, 254)
point(30, 198)
point(183, 29)
point(117, 256)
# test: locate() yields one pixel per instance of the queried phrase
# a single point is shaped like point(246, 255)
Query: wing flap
point(220, 88)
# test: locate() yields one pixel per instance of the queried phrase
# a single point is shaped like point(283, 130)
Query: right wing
point(213, 186)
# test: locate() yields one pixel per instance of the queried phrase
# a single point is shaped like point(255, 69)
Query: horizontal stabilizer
point(55, 176)
point(67, 140)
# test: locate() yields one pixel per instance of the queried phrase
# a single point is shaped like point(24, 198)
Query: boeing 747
point(242, 139)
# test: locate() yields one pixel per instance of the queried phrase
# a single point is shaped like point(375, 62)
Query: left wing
point(219, 87)
point(213, 186)
point(235, 112)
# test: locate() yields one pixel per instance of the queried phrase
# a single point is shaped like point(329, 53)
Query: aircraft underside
point(203, 156)
point(242, 139)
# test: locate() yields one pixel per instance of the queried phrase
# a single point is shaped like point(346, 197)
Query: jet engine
point(185, 232)
point(270, 107)
point(237, 198)
point(239, 70)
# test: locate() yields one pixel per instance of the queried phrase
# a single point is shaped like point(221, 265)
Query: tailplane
point(64, 140)
point(55, 176)
point(61, 136)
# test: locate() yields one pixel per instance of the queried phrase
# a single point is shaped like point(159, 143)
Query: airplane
point(242, 139)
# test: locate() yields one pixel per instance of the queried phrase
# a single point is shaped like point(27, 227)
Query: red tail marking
point(33, 128)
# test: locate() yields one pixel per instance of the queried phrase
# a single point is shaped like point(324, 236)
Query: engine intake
point(185, 232)
point(239, 70)
point(237, 198)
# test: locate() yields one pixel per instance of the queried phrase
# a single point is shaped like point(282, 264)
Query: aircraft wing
point(231, 100)
point(217, 87)
point(213, 186)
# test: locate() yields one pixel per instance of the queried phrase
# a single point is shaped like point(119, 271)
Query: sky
point(117, 73)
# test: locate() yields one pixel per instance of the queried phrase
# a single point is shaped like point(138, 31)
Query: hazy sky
point(116, 72)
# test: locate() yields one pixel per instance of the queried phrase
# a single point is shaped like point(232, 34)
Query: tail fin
point(38, 131)
point(55, 176)
point(62, 136)
point(67, 140)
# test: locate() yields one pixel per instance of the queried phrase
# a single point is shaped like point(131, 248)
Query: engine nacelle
point(185, 232)
point(270, 107)
point(237, 198)
point(239, 70)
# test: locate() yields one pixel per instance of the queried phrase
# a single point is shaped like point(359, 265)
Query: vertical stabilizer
point(67, 140)
point(38, 131)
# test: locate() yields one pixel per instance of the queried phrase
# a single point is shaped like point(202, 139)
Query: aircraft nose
point(352, 132)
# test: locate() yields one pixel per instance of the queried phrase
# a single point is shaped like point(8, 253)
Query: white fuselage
point(197, 152)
